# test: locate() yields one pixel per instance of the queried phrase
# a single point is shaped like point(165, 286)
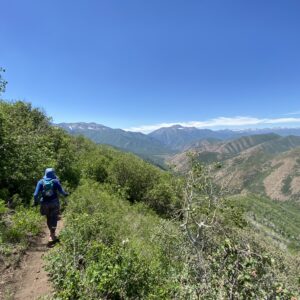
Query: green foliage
point(29, 144)
point(16, 228)
point(3, 208)
point(3, 82)
point(21, 224)
point(164, 197)
point(134, 175)
point(112, 248)
point(207, 157)
point(276, 220)
point(233, 215)
point(24, 223)
point(96, 167)
point(286, 187)
point(226, 259)
point(108, 249)
point(243, 269)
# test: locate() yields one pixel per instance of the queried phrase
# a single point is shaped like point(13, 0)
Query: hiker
point(49, 187)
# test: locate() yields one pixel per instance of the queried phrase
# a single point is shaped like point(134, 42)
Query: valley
point(263, 161)
point(261, 168)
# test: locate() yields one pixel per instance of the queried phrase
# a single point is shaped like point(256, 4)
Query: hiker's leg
point(53, 219)
point(45, 211)
point(53, 223)
point(49, 223)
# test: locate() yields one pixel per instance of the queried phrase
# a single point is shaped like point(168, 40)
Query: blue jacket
point(49, 175)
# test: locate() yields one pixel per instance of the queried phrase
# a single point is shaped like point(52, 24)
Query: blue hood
point(50, 174)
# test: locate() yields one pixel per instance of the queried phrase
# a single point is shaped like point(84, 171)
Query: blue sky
point(139, 64)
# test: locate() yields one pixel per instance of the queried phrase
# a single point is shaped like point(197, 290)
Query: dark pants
point(51, 211)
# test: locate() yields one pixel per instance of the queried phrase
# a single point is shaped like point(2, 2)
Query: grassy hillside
point(132, 230)
point(29, 144)
point(122, 251)
point(278, 221)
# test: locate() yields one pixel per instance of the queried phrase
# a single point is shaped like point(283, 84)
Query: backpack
point(48, 188)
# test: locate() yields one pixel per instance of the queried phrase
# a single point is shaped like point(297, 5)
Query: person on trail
point(48, 188)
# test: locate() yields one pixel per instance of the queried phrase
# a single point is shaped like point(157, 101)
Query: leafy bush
point(23, 223)
point(3, 208)
point(227, 259)
point(165, 196)
point(16, 229)
point(95, 166)
point(108, 250)
point(112, 248)
point(28, 145)
point(133, 174)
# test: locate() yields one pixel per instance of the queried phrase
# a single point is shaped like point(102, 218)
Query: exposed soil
point(30, 280)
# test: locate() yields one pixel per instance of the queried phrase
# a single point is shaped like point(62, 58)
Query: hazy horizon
point(147, 131)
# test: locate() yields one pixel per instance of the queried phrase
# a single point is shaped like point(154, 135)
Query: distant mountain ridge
point(179, 138)
point(165, 142)
point(136, 142)
point(265, 164)
point(83, 126)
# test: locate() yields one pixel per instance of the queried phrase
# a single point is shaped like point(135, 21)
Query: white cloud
point(221, 122)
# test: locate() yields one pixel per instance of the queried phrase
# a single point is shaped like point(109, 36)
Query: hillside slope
point(179, 138)
point(135, 142)
point(209, 151)
point(128, 230)
point(279, 221)
point(263, 164)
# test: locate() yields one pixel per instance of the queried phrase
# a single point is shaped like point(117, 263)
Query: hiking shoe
point(52, 238)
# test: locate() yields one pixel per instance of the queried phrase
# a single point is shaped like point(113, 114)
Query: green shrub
point(133, 174)
point(112, 248)
point(15, 232)
point(109, 250)
point(3, 208)
point(28, 145)
point(22, 224)
point(96, 166)
point(165, 196)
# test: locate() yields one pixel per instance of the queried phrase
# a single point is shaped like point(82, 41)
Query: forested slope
point(131, 231)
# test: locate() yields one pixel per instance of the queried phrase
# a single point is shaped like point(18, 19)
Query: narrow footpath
point(31, 280)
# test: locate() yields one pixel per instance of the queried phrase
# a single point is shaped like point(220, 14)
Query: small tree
point(3, 82)
point(202, 199)
point(225, 259)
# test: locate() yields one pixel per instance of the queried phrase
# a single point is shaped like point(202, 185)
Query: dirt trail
point(31, 280)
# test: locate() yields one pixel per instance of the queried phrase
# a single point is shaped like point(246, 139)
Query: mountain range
point(266, 164)
point(262, 161)
point(179, 138)
point(138, 143)
point(164, 140)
